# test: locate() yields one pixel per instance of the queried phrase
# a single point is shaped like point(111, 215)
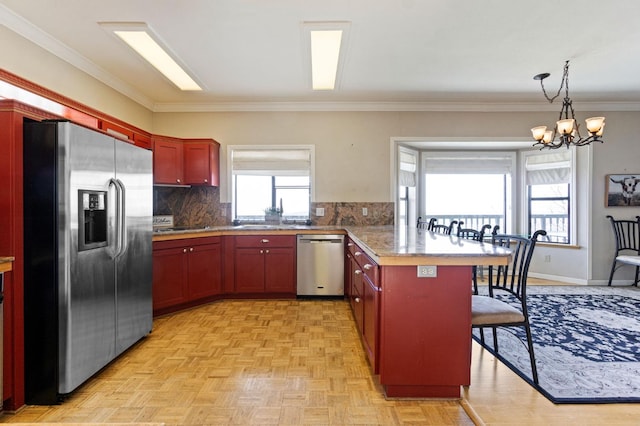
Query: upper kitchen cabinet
point(168, 167)
point(201, 162)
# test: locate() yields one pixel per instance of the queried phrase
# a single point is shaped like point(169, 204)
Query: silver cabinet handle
point(190, 248)
point(178, 180)
point(261, 251)
point(205, 181)
point(266, 251)
point(184, 250)
point(357, 300)
point(367, 266)
point(264, 241)
point(357, 272)
point(350, 244)
point(357, 253)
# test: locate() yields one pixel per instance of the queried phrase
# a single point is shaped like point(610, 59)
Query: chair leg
point(534, 369)
point(637, 274)
point(482, 334)
point(475, 279)
point(613, 268)
point(495, 339)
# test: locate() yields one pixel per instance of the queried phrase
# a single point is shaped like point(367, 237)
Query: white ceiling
point(401, 54)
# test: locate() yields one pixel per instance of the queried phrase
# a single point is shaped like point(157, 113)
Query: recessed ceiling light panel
point(141, 38)
point(326, 43)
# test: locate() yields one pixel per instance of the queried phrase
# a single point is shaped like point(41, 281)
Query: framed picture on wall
point(622, 190)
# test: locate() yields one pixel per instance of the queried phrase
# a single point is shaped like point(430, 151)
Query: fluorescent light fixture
point(325, 51)
point(141, 38)
point(326, 42)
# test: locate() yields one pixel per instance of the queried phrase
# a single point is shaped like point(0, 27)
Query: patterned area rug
point(586, 341)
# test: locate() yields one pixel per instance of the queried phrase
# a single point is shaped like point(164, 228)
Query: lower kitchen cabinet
point(364, 295)
point(264, 264)
point(185, 272)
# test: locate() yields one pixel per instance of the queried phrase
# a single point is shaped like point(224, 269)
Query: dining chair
point(474, 235)
point(444, 229)
point(425, 224)
point(506, 304)
point(627, 235)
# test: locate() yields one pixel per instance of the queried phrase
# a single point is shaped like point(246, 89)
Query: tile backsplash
point(200, 206)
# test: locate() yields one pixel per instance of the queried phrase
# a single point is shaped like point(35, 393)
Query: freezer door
point(86, 281)
point(134, 309)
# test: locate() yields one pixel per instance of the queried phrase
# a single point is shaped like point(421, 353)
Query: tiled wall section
point(352, 214)
point(197, 207)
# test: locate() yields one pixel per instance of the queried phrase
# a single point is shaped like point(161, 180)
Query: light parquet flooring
point(245, 363)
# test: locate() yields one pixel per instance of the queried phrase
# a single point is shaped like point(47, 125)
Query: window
point(548, 182)
point(276, 177)
point(407, 177)
point(472, 187)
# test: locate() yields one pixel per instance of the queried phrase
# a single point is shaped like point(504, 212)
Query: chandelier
point(566, 130)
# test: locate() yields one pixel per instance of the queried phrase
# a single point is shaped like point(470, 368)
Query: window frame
point(509, 156)
point(572, 196)
point(231, 181)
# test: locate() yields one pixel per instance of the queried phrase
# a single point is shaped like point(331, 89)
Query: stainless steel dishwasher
point(320, 265)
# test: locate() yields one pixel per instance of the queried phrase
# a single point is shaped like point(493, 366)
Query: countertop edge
point(6, 263)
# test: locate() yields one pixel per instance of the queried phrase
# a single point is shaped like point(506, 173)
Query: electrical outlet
point(319, 211)
point(425, 271)
point(365, 211)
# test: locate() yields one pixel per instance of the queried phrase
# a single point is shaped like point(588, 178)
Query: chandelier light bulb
point(538, 132)
point(565, 127)
point(548, 136)
point(594, 124)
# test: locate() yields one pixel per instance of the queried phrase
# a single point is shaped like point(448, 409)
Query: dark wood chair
point(627, 235)
point(510, 281)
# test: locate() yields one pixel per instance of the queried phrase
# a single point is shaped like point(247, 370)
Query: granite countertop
point(389, 245)
point(386, 245)
point(6, 263)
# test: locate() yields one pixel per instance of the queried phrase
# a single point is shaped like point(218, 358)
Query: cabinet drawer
point(186, 242)
point(370, 269)
point(265, 241)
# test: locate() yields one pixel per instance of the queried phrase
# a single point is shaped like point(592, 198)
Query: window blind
point(468, 163)
point(548, 168)
point(408, 167)
point(270, 162)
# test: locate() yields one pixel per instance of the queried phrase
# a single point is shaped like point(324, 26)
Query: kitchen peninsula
point(416, 330)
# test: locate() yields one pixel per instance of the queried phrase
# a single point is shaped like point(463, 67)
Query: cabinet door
point(249, 270)
point(205, 275)
point(201, 164)
point(169, 277)
point(370, 324)
point(279, 270)
point(167, 162)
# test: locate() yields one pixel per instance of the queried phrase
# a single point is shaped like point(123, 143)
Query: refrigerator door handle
point(122, 217)
point(118, 241)
point(120, 228)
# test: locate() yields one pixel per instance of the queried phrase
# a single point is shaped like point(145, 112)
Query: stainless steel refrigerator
point(87, 232)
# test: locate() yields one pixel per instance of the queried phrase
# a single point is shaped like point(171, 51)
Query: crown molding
point(387, 106)
point(26, 29)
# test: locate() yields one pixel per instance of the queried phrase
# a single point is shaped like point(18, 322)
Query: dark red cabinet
point(201, 162)
point(363, 281)
point(264, 264)
point(185, 272)
point(168, 165)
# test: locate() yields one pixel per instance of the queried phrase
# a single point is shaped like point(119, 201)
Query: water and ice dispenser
point(92, 231)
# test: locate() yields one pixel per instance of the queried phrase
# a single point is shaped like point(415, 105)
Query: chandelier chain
point(564, 83)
